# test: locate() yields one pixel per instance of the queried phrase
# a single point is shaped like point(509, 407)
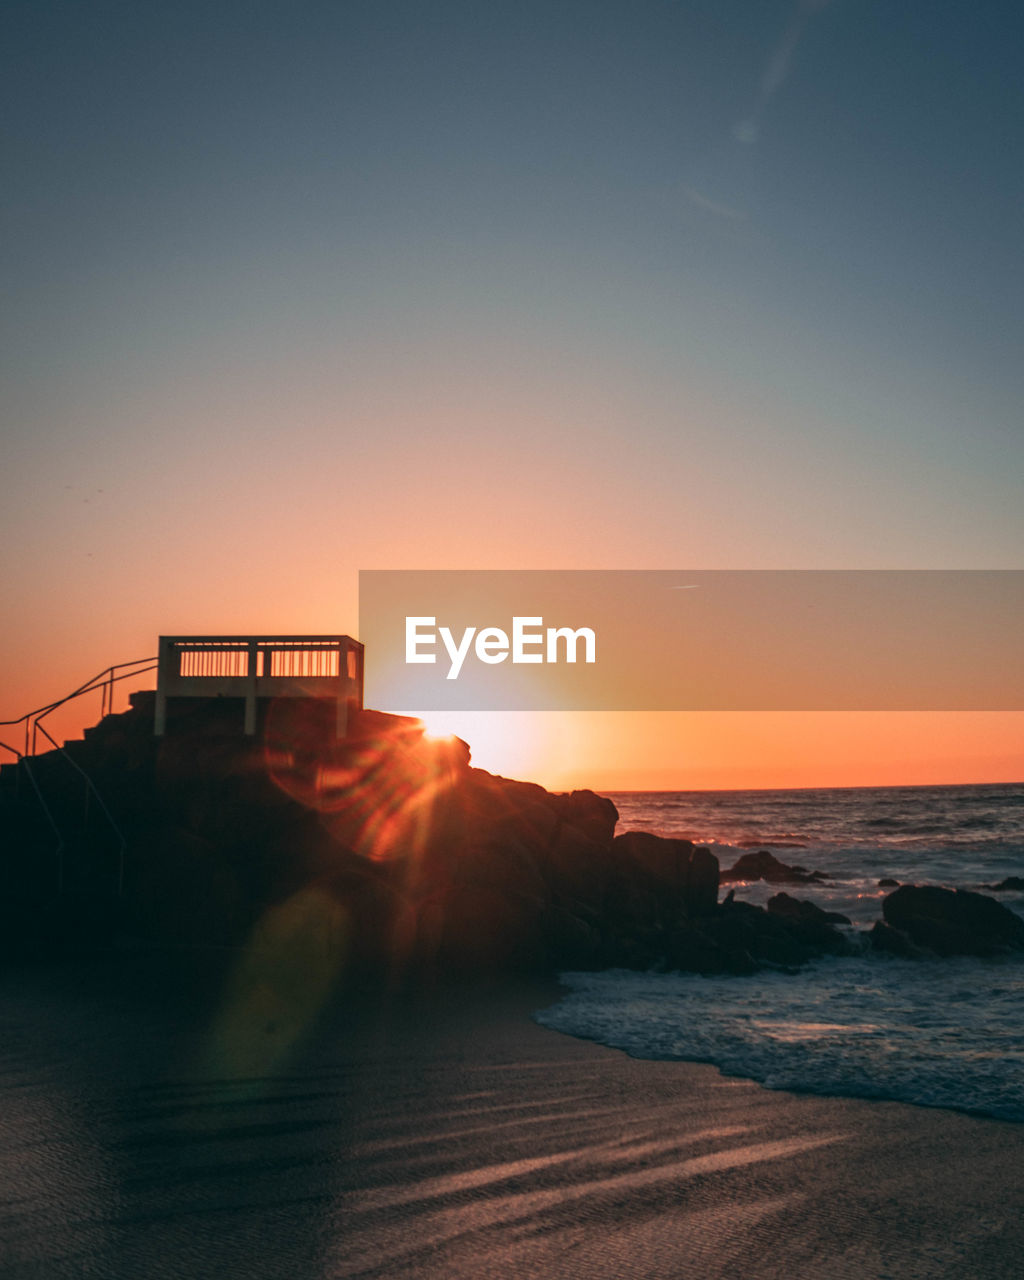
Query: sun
point(500, 741)
point(440, 725)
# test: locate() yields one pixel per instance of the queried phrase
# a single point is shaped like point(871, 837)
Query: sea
point(936, 1032)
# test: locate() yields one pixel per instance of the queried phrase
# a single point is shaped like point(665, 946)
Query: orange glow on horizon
point(710, 751)
point(669, 751)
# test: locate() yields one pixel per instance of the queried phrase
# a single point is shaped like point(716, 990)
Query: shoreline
point(615, 1165)
point(447, 1133)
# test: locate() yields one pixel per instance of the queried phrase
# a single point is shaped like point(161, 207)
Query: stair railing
point(104, 682)
point(92, 789)
point(58, 851)
point(32, 721)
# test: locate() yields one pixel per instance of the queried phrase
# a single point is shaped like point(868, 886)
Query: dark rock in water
point(685, 876)
point(765, 866)
point(768, 938)
point(701, 951)
point(800, 909)
point(953, 921)
point(1012, 884)
point(888, 883)
point(893, 942)
point(771, 844)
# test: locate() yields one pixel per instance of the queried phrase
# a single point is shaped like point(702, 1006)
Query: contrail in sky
point(776, 72)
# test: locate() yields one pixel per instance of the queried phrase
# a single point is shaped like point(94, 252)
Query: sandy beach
point(448, 1135)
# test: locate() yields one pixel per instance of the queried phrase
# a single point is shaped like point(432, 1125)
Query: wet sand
point(450, 1136)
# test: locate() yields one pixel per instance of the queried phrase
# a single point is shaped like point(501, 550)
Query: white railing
point(255, 667)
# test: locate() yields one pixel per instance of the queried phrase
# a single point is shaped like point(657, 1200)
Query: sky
point(294, 290)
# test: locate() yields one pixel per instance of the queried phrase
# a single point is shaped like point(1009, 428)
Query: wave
point(944, 1034)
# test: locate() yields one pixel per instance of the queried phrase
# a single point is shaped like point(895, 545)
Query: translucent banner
point(694, 640)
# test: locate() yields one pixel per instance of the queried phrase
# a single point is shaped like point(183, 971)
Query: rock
point(774, 844)
point(1012, 884)
point(953, 921)
point(596, 816)
point(885, 938)
point(772, 939)
point(472, 929)
point(693, 950)
point(572, 940)
point(888, 883)
point(800, 909)
point(486, 806)
point(765, 866)
point(702, 882)
point(577, 868)
point(683, 876)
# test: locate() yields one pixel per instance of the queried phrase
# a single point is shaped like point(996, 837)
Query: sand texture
point(450, 1136)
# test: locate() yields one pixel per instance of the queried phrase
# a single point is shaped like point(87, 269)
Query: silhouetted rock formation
point(953, 921)
point(768, 938)
point(386, 852)
point(1011, 884)
point(782, 904)
point(765, 866)
point(885, 938)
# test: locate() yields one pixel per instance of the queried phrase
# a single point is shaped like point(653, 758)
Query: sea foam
point(942, 1033)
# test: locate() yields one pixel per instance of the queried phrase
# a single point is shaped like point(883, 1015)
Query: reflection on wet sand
point(449, 1135)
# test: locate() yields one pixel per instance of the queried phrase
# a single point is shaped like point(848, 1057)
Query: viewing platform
point(255, 668)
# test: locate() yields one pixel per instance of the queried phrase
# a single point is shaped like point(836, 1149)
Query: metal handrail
point(59, 851)
point(32, 721)
point(91, 787)
point(105, 681)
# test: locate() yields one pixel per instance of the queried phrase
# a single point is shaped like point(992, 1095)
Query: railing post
point(341, 723)
point(341, 720)
point(163, 675)
point(250, 691)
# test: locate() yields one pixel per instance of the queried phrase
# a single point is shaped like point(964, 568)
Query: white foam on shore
point(942, 1033)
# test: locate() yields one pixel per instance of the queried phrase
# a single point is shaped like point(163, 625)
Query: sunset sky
point(294, 290)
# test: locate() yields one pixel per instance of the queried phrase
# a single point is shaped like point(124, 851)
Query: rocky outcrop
point(682, 875)
point(781, 904)
point(768, 938)
point(394, 858)
point(953, 921)
point(890, 941)
point(387, 846)
point(765, 866)
point(1011, 884)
